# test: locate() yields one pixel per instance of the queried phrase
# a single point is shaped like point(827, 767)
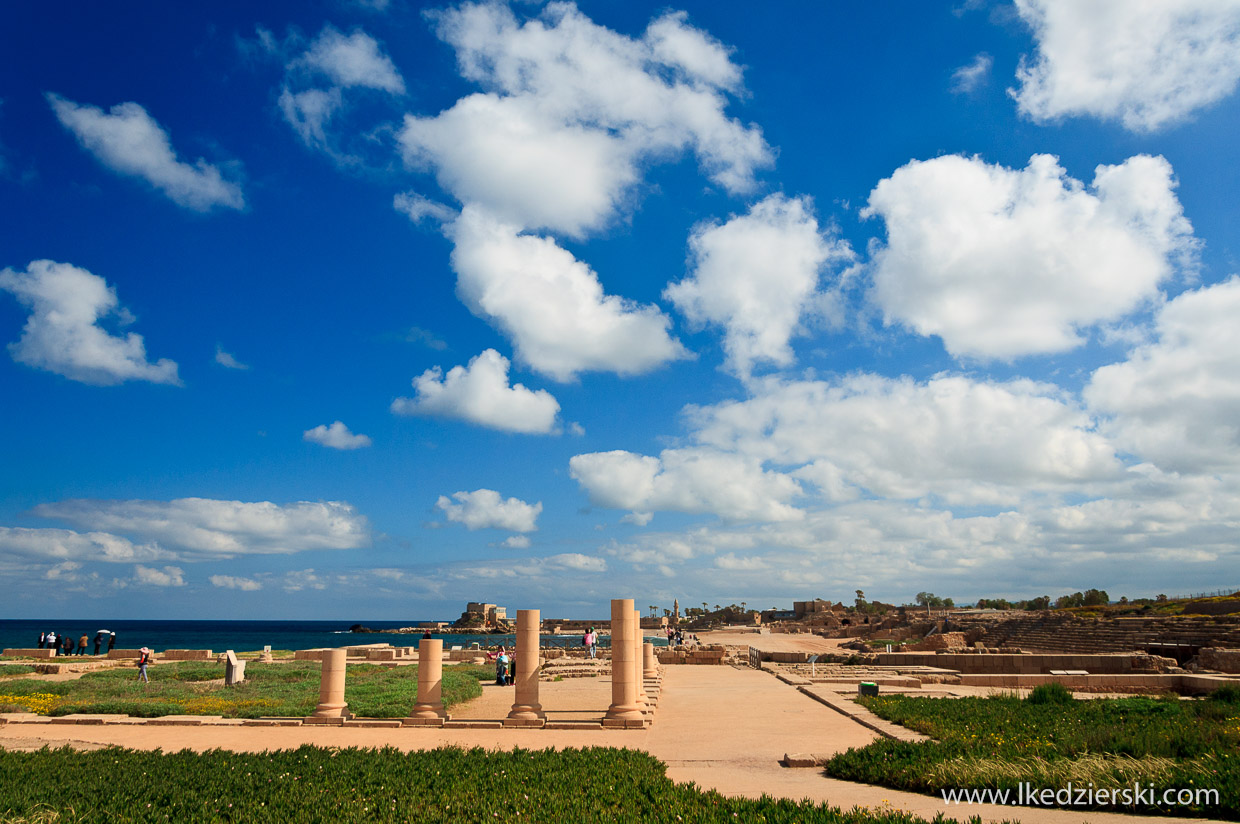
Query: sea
point(244, 636)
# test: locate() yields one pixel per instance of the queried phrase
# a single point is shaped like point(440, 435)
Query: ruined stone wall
point(1219, 659)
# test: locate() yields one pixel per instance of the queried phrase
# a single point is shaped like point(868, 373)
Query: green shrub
point(314, 784)
point(1050, 693)
point(1226, 694)
point(1001, 741)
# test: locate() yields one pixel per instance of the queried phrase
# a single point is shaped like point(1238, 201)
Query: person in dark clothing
point(111, 641)
point(98, 641)
point(66, 644)
point(42, 639)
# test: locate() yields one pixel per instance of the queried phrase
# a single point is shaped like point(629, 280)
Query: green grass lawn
point(182, 688)
point(313, 784)
point(15, 670)
point(1001, 742)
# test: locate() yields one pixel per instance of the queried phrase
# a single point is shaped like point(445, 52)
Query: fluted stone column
point(430, 682)
point(331, 685)
point(650, 662)
point(642, 698)
point(526, 711)
point(625, 709)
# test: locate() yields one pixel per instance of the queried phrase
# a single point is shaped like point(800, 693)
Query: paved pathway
point(722, 728)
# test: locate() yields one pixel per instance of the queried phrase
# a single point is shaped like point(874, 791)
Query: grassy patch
point(344, 785)
point(1002, 742)
point(14, 670)
point(191, 688)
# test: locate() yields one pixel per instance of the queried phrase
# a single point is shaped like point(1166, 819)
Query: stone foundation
point(712, 654)
point(30, 653)
point(186, 655)
point(1219, 659)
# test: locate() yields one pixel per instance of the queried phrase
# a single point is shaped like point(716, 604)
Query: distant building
point(489, 613)
point(803, 608)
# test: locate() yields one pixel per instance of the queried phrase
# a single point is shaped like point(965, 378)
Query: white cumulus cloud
point(313, 94)
point(336, 436)
point(755, 275)
point(68, 545)
point(231, 582)
point(963, 440)
point(1002, 262)
point(128, 140)
point(63, 333)
point(1176, 401)
point(1146, 63)
point(572, 111)
point(169, 576)
point(734, 487)
point(350, 60)
point(227, 361)
point(480, 393)
point(204, 528)
point(487, 509)
point(968, 79)
point(552, 305)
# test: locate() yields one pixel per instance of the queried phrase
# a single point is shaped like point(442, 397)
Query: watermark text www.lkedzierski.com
point(1028, 795)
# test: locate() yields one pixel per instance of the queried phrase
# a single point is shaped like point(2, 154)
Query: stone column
point(651, 663)
point(430, 682)
point(526, 711)
point(331, 685)
point(642, 698)
point(624, 709)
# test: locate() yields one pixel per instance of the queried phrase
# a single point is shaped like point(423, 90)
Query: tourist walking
point(144, 658)
point(591, 642)
point(111, 641)
point(81, 650)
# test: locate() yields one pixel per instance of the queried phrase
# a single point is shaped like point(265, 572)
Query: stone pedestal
point(234, 669)
point(650, 664)
point(625, 709)
point(331, 686)
point(526, 711)
point(430, 682)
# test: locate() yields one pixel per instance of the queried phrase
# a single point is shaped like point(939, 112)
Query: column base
point(624, 723)
point(527, 712)
point(529, 723)
point(625, 713)
point(428, 711)
point(331, 711)
point(424, 722)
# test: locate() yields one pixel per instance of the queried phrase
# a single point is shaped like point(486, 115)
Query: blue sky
point(366, 309)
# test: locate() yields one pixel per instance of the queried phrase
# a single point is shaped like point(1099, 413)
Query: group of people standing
point(63, 644)
point(676, 637)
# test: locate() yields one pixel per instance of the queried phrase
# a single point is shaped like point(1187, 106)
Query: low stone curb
point(862, 716)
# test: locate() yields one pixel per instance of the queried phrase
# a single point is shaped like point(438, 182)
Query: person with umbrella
point(99, 639)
